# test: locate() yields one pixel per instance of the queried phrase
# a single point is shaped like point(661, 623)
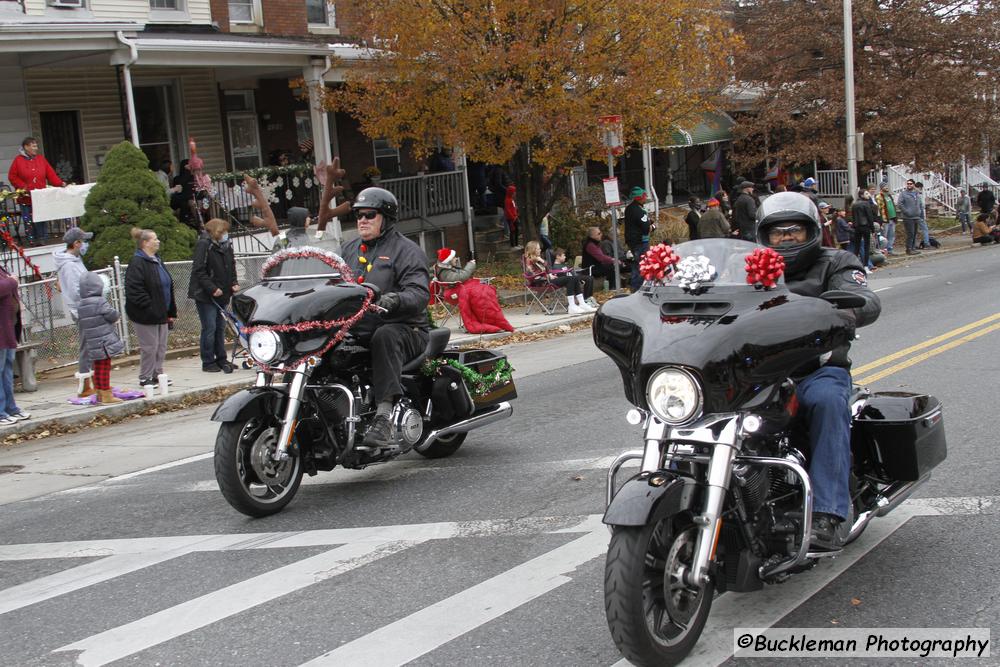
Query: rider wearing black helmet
point(788, 223)
point(384, 257)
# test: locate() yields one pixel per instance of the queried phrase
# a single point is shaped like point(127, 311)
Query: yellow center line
point(927, 343)
point(926, 355)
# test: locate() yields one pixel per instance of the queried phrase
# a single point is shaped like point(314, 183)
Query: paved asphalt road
point(493, 556)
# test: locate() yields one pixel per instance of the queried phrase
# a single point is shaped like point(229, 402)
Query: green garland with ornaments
point(298, 169)
point(478, 383)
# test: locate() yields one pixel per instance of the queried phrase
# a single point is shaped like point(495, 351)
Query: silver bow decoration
point(692, 271)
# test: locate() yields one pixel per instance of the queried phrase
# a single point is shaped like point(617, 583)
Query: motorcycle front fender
point(248, 403)
point(649, 497)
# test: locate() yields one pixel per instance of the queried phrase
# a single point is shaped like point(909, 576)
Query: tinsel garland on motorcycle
point(764, 266)
point(479, 384)
point(334, 261)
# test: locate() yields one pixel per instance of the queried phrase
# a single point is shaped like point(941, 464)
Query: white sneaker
point(577, 310)
point(20, 415)
point(592, 302)
point(7, 421)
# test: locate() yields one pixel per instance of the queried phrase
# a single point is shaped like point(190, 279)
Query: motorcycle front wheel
point(249, 478)
point(654, 618)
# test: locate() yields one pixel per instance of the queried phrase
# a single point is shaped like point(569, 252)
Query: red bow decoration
point(658, 262)
point(764, 267)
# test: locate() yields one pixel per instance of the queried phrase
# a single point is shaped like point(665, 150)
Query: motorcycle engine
point(409, 424)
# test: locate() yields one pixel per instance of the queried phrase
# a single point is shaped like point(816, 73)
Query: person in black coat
point(863, 215)
point(149, 304)
point(213, 282)
point(638, 227)
point(693, 218)
point(745, 213)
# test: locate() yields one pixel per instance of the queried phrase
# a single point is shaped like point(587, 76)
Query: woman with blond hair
point(539, 273)
point(213, 282)
point(149, 304)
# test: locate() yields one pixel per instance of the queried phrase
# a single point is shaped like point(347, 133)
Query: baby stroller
point(240, 345)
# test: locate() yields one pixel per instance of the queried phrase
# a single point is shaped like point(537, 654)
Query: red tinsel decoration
point(344, 323)
point(657, 262)
point(764, 266)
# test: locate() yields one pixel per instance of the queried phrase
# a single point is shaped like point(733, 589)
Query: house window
point(321, 12)
point(68, 4)
point(164, 4)
point(241, 11)
point(386, 158)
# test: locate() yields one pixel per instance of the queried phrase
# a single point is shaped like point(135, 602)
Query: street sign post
point(613, 136)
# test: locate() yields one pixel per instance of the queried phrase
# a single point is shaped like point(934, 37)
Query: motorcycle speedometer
point(674, 396)
point(265, 346)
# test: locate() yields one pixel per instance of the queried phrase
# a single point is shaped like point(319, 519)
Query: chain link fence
point(56, 337)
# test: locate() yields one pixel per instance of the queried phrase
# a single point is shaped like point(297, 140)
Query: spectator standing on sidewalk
point(925, 234)
point(745, 213)
point(692, 218)
point(909, 209)
point(713, 224)
point(98, 336)
point(887, 212)
point(70, 268)
point(149, 304)
point(963, 210)
point(212, 285)
point(863, 214)
point(510, 215)
point(10, 333)
point(986, 200)
point(31, 171)
point(638, 227)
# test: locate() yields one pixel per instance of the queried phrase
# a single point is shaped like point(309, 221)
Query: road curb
point(118, 410)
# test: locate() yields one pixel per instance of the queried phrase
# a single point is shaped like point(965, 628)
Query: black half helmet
point(381, 200)
point(786, 208)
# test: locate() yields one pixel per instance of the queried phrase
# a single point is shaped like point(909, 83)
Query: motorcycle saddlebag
point(484, 362)
point(450, 397)
point(899, 436)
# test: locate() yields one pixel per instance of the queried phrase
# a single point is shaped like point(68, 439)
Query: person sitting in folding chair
point(539, 274)
point(561, 269)
point(477, 301)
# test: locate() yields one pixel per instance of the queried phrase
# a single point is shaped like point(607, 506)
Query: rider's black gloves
point(389, 301)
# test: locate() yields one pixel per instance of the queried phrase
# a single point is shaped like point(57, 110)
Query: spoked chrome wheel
point(248, 475)
point(655, 618)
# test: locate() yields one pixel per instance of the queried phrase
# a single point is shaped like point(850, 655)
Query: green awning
point(712, 127)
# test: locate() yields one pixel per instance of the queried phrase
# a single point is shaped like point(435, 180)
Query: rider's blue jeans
point(824, 396)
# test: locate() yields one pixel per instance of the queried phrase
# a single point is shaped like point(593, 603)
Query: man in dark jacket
point(637, 229)
point(692, 218)
point(398, 267)
point(212, 284)
point(789, 224)
point(745, 213)
point(863, 215)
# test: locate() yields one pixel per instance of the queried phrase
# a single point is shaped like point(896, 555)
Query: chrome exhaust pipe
point(495, 414)
point(889, 499)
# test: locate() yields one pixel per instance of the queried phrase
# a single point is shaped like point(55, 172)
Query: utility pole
point(852, 147)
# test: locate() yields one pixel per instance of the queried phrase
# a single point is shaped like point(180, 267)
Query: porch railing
point(980, 179)
point(431, 194)
point(831, 182)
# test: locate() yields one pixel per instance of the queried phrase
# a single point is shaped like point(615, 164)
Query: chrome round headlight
point(265, 346)
point(674, 396)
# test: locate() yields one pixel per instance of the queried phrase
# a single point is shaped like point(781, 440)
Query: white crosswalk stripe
point(425, 630)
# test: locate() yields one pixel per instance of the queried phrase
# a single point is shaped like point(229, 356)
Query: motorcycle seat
point(437, 341)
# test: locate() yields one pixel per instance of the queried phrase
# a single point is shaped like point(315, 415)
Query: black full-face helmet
point(382, 201)
point(789, 208)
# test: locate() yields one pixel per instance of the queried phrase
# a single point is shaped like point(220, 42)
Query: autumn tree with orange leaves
point(524, 82)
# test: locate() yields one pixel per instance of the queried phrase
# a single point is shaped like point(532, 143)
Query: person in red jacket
point(30, 171)
point(510, 215)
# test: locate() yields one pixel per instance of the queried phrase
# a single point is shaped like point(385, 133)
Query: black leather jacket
point(838, 270)
point(400, 266)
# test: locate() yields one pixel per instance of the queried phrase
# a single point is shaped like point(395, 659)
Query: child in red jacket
point(30, 171)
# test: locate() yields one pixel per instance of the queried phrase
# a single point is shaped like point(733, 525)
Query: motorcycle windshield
point(733, 335)
point(304, 297)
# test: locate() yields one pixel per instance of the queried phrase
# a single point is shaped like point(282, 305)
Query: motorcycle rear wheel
point(444, 446)
point(654, 620)
point(249, 480)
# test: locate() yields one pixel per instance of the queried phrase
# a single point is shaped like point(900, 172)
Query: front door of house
point(157, 116)
point(61, 144)
point(244, 140)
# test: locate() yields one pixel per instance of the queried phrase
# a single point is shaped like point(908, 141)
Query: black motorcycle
point(723, 499)
point(312, 404)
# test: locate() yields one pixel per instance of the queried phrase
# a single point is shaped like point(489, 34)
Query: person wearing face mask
point(213, 283)
point(70, 268)
point(789, 223)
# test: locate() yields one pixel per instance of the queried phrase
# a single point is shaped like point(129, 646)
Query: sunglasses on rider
point(366, 215)
point(776, 233)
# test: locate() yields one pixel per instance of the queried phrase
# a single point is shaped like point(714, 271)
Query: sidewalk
point(49, 406)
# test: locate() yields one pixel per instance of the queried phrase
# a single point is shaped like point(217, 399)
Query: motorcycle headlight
point(674, 396)
point(265, 346)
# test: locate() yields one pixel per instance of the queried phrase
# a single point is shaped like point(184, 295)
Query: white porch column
point(126, 63)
